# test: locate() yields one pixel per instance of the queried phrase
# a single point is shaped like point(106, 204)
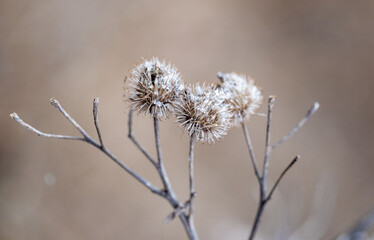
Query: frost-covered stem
point(89, 140)
point(190, 229)
point(191, 178)
point(251, 151)
point(15, 117)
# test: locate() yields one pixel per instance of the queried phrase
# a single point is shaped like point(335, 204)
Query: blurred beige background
point(300, 51)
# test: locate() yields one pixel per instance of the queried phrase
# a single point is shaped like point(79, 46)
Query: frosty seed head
point(154, 87)
point(243, 97)
point(202, 113)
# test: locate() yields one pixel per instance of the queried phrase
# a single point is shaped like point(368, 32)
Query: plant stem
point(191, 178)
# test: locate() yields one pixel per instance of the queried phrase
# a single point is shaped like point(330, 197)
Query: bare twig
point(251, 151)
point(281, 176)
point(264, 198)
point(308, 115)
point(265, 167)
point(262, 183)
point(137, 144)
point(42, 134)
point(57, 105)
point(160, 164)
point(96, 121)
point(191, 178)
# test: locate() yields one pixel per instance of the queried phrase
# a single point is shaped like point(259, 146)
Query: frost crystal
point(154, 87)
point(242, 95)
point(202, 113)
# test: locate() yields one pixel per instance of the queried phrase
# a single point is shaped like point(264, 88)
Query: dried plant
point(202, 112)
point(205, 112)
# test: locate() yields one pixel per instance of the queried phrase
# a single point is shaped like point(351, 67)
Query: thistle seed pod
point(243, 96)
point(202, 113)
point(154, 87)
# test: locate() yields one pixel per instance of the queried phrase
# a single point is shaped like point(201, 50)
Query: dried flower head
point(154, 87)
point(202, 113)
point(243, 97)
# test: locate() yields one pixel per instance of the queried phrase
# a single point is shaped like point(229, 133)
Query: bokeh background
point(300, 51)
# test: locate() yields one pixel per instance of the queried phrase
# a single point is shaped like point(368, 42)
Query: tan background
point(301, 51)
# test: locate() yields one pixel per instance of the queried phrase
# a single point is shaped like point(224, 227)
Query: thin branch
point(142, 180)
point(96, 121)
point(308, 115)
point(281, 176)
point(256, 222)
point(57, 105)
point(265, 167)
point(191, 177)
point(251, 151)
point(15, 117)
point(161, 168)
point(135, 141)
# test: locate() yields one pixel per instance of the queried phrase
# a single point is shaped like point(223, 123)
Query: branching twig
point(264, 197)
point(88, 139)
point(167, 193)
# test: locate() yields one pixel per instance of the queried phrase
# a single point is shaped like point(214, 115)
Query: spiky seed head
point(154, 87)
point(202, 113)
point(243, 96)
